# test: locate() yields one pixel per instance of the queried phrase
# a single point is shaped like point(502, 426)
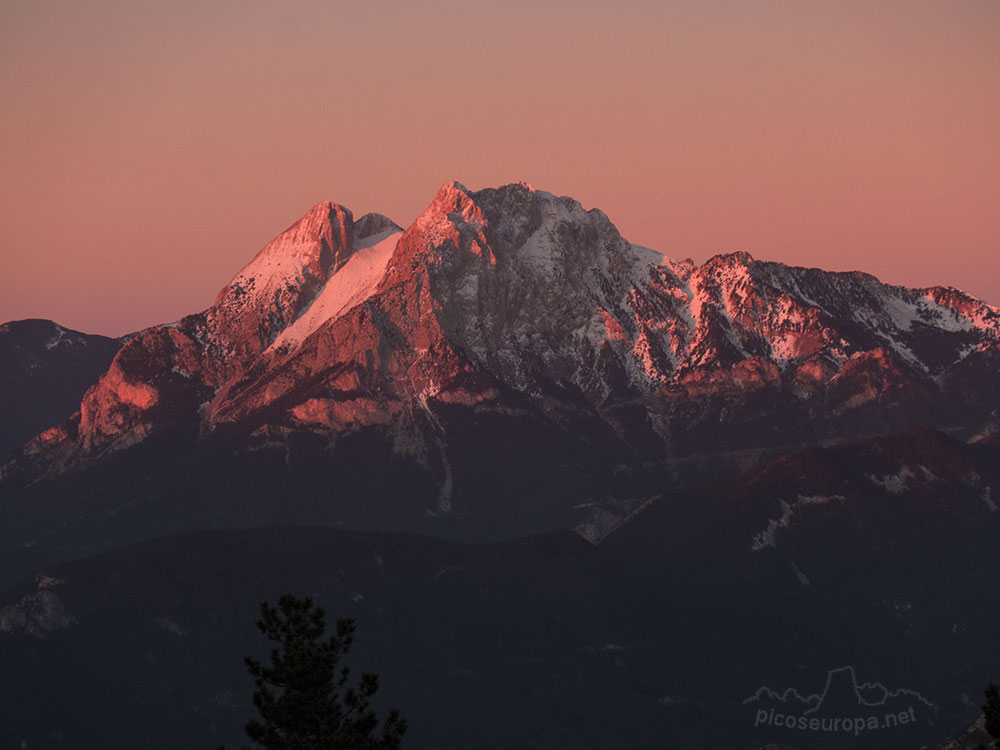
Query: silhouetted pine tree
point(991, 710)
point(304, 703)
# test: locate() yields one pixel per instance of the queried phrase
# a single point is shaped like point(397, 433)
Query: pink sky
point(147, 151)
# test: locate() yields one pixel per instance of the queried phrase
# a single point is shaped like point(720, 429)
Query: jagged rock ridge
point(516, 303)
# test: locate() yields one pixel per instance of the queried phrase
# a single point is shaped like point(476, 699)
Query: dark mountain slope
point(512, 645)
point(659, 636)
point(880, 555)
point(44, 371)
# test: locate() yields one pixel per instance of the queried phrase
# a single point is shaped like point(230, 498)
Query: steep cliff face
point(168, 376)
point(513, 300)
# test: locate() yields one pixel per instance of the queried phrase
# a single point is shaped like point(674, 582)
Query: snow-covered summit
point(339, 324)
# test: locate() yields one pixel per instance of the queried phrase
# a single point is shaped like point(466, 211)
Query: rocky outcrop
point(37, 614)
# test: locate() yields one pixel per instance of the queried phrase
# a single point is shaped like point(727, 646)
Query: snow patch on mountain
point(606, 515)
point(294, 253)
point(768, 537)
point(348, 287)
point(60, 334)
point(171, 626)
point(800, 576)
point(988, 499)
point(894, 484)
point(904, 313)
point(443, 503)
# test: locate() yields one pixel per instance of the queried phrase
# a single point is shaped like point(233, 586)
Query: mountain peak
point(739, 257)
point(316, 244)
point(451, 197)
point(338, 323)
point(281, 281)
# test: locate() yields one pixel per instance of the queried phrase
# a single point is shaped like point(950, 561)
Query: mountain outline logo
point(843, 705)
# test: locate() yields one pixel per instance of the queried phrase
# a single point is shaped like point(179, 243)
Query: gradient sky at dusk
point(148, 150)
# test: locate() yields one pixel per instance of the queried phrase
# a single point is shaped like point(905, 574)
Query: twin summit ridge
point(340, 324)
point(509, 362)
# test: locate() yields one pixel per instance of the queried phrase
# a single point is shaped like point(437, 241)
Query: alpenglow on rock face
point(513, 301)
point(509, 362)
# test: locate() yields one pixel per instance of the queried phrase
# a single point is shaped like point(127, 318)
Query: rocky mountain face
point(506, 364)
point(338, 325)
point(44, 371)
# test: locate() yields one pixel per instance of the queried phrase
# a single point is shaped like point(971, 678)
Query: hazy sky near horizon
point(148, 150)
